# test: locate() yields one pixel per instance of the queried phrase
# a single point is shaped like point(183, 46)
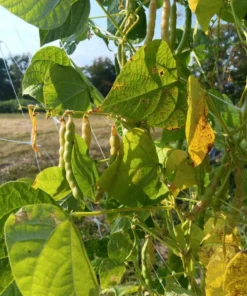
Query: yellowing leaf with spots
point(215, 271)
point(199, 134)
point(236, 275)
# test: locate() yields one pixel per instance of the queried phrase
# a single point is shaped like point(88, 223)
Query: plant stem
point(115, 24)
point(165, 20)
point(186, 34)
point(119, 210)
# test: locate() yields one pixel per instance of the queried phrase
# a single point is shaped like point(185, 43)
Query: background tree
point(223, 60)
point(102, 74)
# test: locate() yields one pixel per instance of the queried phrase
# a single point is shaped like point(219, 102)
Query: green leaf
point(175, 290)
point(6, 276)
point(26, 180)
point(205, 10)
point(11, 290)
point(84, 168)
point(134, 177)
point(111, 273)
point(3, 251)
point(146, 88)
point(76, 21)
point(119, 247)
point(40, 13)
point(34, 77)
point(46, 253)
point(64, 89)
point(113, 8)
point(53, 181)
point(14, 195)
point(240, 10)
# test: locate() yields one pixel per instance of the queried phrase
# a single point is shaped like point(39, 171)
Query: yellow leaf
point(199, 134)
point(216, 269)
point(236, 275)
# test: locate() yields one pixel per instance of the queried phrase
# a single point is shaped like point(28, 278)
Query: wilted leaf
point(199, 134)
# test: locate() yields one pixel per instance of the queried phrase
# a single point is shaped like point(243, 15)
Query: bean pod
point(68, 147)
point(151, 22)
point(62, 131)
point(147, 259)
point(115, 144)
point(86, 130)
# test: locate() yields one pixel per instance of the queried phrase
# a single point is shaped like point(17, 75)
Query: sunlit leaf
point(53, 181)
point(134, 177)
point(34, 77)
point(40, 13)
point(14, 195)
point(46, 253)
point(205, 10)
point(236, 275)
point(216, 269)
point(146, 87)
point(64, 89)
point(12, 290)
point(199, 134)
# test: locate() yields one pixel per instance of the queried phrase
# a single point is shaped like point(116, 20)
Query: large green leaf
point(11, 290)
point(77, 19)
point(6, 276)
point(46, 254)
point(204, 10)
point(14, 195)
point(42, 14)
point(64, 89)
point(146, 87)
point(84, 168)
point(53, 181)
point(134, 177)
point(33, 80)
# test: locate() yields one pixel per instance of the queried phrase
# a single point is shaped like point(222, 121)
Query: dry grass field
point(17, 160)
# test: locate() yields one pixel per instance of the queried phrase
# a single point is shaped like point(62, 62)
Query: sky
point(19, 37)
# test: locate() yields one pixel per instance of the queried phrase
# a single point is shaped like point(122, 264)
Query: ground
point(17, 160)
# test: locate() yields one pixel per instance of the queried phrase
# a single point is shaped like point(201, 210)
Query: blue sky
point(21, 37)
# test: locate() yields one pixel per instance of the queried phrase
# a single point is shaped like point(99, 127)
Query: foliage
point(174, 221)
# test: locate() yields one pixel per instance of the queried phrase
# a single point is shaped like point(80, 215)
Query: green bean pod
point(173, 24)
point(86, 131)
point(62, 131)
point(165, 20)
point(186, 34)
point(68, 147)
point(147, 260)
point(151, 22)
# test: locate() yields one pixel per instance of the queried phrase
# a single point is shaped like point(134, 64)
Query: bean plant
point(174, 205)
